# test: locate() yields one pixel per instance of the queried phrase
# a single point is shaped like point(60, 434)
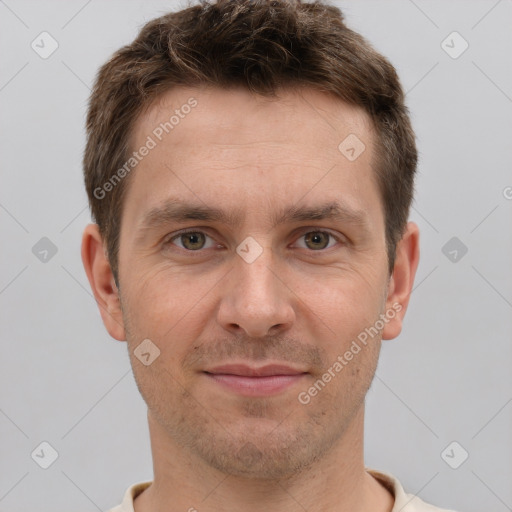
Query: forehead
point(304, 111)
point(230, 147)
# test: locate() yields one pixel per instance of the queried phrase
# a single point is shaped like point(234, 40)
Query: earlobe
point(402, 280)
point(101, 279)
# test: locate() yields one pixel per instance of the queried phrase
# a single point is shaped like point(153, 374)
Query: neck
point(336, 482)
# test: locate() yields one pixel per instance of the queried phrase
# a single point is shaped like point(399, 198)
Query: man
point(250, 167)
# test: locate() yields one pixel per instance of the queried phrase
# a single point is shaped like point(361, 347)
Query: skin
point(300, 302)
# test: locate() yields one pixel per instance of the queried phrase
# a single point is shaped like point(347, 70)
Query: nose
point(256, 299)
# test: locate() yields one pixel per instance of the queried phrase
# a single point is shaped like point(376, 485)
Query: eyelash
point(169, 240)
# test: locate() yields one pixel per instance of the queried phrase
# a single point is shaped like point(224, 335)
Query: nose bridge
point(255, 276)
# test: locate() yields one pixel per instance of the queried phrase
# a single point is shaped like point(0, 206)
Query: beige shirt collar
point(404, 502)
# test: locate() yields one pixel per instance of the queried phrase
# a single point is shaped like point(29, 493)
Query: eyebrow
point(177, 211)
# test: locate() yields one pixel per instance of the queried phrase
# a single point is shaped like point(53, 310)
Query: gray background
point(446, 378)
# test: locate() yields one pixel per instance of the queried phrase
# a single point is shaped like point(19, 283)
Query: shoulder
point(404, 502)
point(131, 493)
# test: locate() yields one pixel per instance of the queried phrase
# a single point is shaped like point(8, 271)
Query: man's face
point(298, 292)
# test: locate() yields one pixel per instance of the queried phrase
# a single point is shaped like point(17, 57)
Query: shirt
point(404, 502)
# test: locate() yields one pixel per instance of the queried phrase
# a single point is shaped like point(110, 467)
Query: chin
point(269, 455)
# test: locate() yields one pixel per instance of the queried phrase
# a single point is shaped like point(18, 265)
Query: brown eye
point(191, 240)
point(317, 239)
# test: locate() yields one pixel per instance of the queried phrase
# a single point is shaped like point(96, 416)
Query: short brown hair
point(261, 45)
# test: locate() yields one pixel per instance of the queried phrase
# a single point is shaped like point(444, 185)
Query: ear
point(101, 279)
point(402, 279)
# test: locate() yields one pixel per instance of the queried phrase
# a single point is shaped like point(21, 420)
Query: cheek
point(168, 307)
point(344, 303)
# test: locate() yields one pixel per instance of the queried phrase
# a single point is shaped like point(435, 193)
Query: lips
point(255, 382)
point(248, 371)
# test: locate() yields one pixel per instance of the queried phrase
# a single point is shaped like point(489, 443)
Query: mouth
point(251, 381)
